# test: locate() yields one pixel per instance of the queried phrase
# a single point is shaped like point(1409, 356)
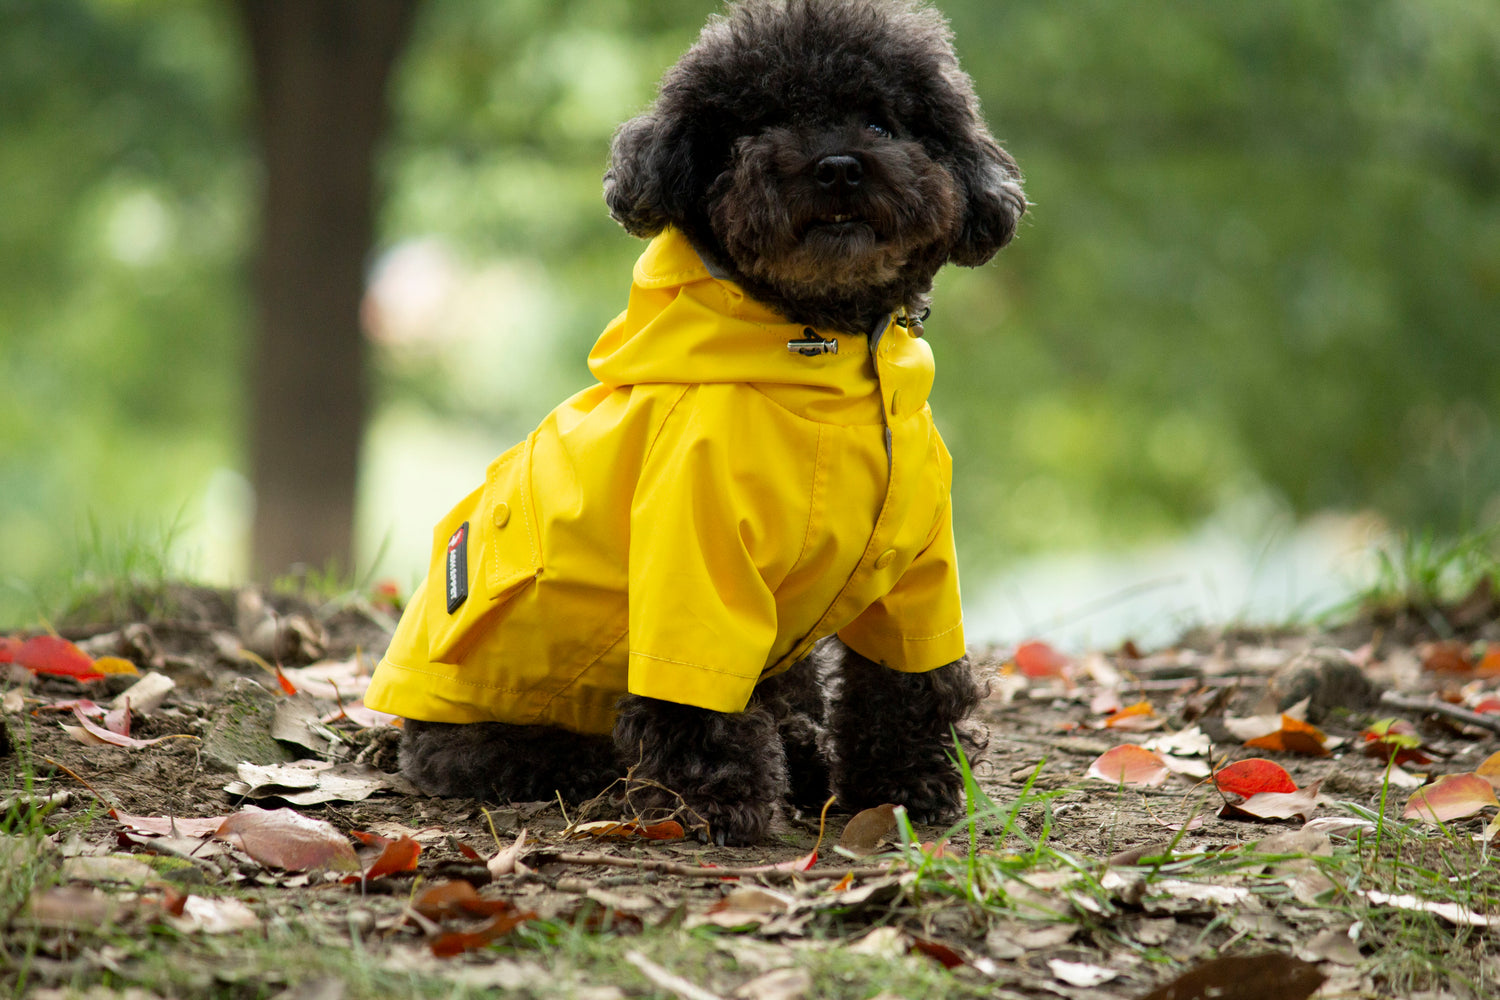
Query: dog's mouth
point(837, 222)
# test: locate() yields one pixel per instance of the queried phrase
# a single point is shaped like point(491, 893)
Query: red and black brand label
point(458, 567)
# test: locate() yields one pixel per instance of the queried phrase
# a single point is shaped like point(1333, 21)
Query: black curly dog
point(829, 157)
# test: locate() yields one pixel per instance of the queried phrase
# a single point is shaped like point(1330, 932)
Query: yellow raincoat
point(694, 522)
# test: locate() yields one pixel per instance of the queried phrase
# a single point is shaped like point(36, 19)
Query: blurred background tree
point(1263, 262)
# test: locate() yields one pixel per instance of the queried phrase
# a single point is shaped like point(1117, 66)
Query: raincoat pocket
point(484, 551)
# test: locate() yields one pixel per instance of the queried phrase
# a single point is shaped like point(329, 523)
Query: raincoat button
point(502, 514)
point(884, 559)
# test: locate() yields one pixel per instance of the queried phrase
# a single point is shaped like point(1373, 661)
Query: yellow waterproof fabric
point(693, 522)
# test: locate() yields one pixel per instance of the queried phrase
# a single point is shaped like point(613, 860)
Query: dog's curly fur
point(829, 157)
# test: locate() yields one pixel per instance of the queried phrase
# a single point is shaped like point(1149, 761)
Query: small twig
point(1483, 721)
point(697, 871)
point(669, 981)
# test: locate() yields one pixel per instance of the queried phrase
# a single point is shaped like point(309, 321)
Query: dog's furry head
point(828, 155)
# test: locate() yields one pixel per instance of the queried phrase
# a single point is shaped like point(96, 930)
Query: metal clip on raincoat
point(719, 501)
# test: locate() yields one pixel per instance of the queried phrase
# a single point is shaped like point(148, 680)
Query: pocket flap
point(483, 551)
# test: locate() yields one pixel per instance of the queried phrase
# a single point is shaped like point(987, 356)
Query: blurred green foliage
point(1263, 255)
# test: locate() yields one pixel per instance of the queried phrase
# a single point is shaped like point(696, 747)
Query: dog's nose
point(841, 171)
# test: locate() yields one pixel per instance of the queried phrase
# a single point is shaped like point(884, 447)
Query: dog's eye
point(879, 130)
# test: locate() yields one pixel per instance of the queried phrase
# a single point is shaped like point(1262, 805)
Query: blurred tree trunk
point(320, 69)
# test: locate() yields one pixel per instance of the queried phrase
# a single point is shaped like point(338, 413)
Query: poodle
point(728, 567)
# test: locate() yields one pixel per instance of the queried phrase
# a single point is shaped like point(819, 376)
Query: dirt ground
point(1048, 718)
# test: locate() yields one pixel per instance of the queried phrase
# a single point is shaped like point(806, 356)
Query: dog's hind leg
point(729, 768)
point(891, 735)
point(501, 762)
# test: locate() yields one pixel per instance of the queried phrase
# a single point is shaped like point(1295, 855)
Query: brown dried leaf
point(284, 838)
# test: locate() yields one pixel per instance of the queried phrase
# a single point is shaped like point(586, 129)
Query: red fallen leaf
point(457, 942)
point(1453, 796)
point(1489, 663)
point(468, 852)
point(284, 838)
point(1394, 739)
point(936, 949)
point(1276, 805)
point(50, 654)
point(1037, 659)
point(1449, 657)
point(457, 898)
point(101, 735)
point(1294, 736)
point(286, 685)
point(399, 855)
point(1488, 705)
point(1253, 776)
point(1270, 976)
point(842, 883)
point(169, 826)
point(1129, 764)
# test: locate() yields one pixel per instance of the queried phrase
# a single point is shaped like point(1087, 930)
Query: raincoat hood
point(685, 326)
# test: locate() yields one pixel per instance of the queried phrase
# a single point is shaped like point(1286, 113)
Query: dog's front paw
point(728, 768)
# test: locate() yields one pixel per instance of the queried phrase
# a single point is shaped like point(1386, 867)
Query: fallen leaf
point(867, 829)
point(1451, 912)
point(1453, 796)
point(1276, 805)
point(50, 654)
point(169, 826)
point(334, 680)
point(220, 915)
point(457, 942)
point(1394, 740)
point(115, 665)
point(606, 829)
point(1080, 973)
point(949, 958)
point(310, 782)
point(457, 898)
point(1294, 736)
point(1140, 715)
point(1270, 976)
point(1490, 769)
point(284, 838)
point(504, 862)
point(1037, 659)
point(1131, 765)
point(1253, 776)
point(1448, 657)
point(399, 855)
point(101, 735)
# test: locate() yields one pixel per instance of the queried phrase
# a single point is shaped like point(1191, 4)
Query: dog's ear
point(648, 176)
point(994, 203)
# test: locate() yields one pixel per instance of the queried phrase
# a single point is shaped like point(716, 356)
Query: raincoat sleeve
point(702, 616)
point(918, 625)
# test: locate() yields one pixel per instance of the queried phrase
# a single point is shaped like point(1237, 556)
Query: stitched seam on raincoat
point(660, 430)
point(449, 678)
point(695, 666)
point(812, 500)
point(782, 406)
